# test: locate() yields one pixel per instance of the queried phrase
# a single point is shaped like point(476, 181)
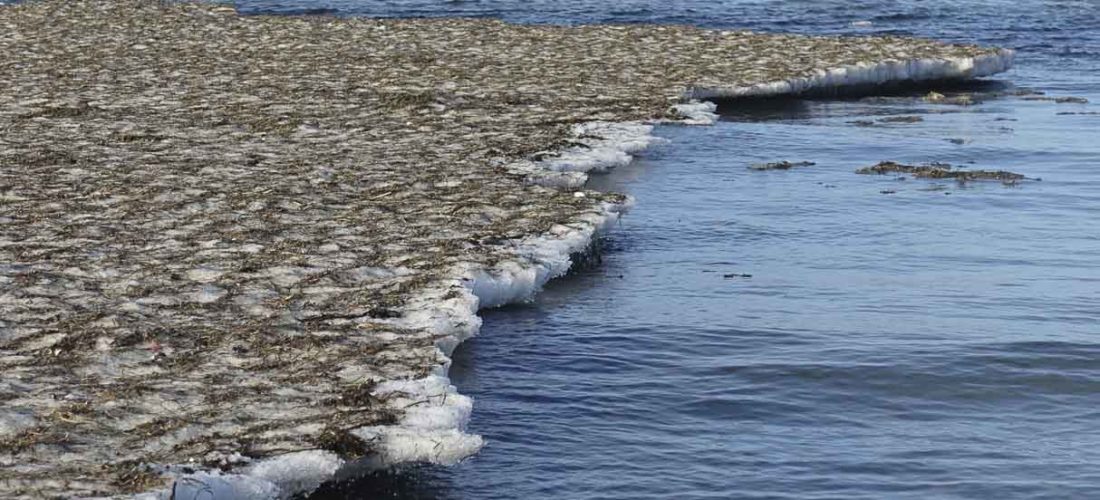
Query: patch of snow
point(280, 477)
point(697, 112)
point(602, 146)
point(296, 473)
point(13, 421)
point(204, 274)
point(208, 294)
point(429, 429)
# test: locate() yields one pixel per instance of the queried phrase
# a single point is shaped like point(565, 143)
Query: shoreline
point(356, 346)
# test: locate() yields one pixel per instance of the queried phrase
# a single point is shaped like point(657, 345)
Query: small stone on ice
point(579, 194)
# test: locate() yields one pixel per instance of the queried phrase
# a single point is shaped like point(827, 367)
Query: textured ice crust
point(238, 294)
point(872, 74)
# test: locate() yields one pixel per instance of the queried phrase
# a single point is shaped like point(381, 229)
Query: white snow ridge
point(871, 73)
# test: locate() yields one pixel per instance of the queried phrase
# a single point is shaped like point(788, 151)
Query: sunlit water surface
point(896, 338)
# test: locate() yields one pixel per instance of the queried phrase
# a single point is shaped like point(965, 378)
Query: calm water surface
point(896, 338)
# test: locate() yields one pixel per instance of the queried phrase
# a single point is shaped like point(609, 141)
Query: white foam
point(871, 74)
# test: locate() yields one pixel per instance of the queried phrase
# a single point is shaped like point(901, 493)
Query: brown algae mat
point(236, 251)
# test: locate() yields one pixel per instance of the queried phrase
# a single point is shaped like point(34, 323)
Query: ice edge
point(432, 430)
point(432, 426)
point(871, 74)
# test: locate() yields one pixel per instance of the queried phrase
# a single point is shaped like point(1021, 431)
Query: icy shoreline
point(428, 433)
point(257, 269)
point(432, 429)
point(435, 432)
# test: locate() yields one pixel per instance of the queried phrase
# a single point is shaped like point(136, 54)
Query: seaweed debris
point(781, 165)
point(902, 119)
point(940, 171)
point(1059, 100)
point(962, 99)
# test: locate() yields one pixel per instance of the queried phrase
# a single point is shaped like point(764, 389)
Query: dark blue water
point(896, 338)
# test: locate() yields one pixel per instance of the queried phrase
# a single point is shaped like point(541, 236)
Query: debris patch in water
point(1059, 100)
point(964, 99)
point(940, 171)
point(781, 165)
point(902, 119)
